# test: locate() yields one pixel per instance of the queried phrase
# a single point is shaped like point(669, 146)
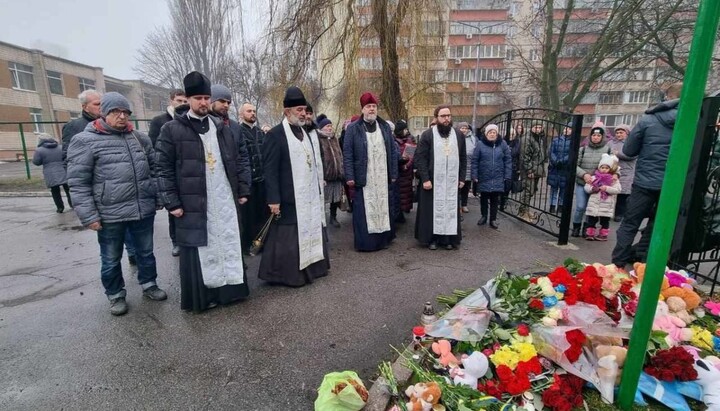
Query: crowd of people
point(231, 188)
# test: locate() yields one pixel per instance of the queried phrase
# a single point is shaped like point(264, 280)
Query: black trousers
point(641, 204)
point(621, 205)
point(171, 225)
point(604, 222)
point(465, 192)
point(494, 200)
point(57, 198)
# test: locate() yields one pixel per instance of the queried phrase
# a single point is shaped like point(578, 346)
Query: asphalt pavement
point(61, 349)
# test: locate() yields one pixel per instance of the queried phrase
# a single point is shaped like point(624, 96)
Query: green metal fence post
point(25, 153)
point(670, 195)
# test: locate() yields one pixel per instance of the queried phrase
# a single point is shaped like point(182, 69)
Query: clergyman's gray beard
point(295, 121)
point(370, 117)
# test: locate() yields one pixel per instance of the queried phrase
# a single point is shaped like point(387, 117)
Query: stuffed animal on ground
point(678, 308)
point(709, 380)
point(640, 274)
point(423, 396)
point(611, 359)
point(475, 366)
point(692, 299)
point(673, 326)
point(444, 350)
point(679, 279)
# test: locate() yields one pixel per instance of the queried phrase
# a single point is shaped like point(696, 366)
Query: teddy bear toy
point(475, 366)
point(444, 350)
point(611, 359)
point(709, 380)
point(423, 396)
point(673, 326)
point(678, 308)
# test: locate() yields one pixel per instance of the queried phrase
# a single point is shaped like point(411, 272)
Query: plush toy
point(679, 279)
point(640, 274)
point(673, 326)
point(713, 307)
point(709, 380)
point(692, 299)
point(423, 396)
point(611, 359)
point(444, 350)
point(678, 308)
point(475, 366)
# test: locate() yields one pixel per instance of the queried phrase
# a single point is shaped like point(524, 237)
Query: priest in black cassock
point(440, 159)
point(202, 182)
point(295, 251)
point(370, 159)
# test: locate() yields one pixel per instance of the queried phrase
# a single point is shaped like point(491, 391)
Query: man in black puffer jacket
point(203, 181)
point(111, 173)
point(649, 140)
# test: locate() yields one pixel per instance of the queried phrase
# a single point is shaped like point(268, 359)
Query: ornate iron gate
point(696, 244)
point(532, 200)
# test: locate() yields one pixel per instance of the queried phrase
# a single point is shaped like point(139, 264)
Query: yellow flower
point(559, 296)
point(525, 351)
point(702, 338)
point(505, 356)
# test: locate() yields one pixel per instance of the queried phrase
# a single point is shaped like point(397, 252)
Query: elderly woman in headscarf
point(332, 160)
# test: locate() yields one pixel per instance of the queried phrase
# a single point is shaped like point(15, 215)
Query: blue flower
point(549, 302)
point(560, 288)
point(716, 344)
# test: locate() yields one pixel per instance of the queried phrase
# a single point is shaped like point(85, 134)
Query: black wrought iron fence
point(545, 145)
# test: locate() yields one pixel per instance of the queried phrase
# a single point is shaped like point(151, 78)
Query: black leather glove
point(508, 185)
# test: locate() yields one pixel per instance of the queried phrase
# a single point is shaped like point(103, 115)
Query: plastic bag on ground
point(341, 391)
point(468, 319)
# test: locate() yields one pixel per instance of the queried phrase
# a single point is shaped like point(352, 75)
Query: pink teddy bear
point(675, 327)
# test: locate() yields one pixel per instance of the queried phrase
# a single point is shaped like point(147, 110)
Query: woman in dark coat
point(491, 171)
point(558, 168)
point(514, 142)
point(49, 155)
point(405, 176)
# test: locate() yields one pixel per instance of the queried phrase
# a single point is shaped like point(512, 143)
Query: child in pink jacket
point(603, 190)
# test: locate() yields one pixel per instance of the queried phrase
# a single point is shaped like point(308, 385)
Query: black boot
point(583, 232)
point(333, 215)
point(483, 220)
point(575, 230)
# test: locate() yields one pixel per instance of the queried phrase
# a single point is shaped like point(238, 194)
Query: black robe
point(424, 162)
point(281, 254)
point(255, 212)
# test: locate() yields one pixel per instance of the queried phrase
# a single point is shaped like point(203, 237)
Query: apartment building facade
point(36, 87)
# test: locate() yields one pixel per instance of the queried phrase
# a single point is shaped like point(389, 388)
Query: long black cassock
point(295, 251)
point(442, 161)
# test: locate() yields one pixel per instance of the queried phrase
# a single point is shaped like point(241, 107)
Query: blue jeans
point(556, 195)
point(129, 245)
point(581, 200)
point(111, 239)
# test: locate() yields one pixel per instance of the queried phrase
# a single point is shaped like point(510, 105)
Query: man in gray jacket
point(112, 181)
point(649, 140)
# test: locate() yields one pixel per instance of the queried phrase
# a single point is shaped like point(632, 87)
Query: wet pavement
point(61, 349)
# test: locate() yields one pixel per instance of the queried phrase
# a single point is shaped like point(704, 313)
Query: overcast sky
point(97, 33)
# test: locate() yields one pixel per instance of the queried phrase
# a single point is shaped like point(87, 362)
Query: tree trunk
point(390, 94)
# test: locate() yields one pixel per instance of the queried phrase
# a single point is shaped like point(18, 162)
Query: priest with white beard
point(370, 159)
point(441, 162)
point(202, 182)
point(295, 251)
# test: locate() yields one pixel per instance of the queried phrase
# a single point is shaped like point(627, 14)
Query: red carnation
point(576, 339)
point(523, 330)
point(537, 304)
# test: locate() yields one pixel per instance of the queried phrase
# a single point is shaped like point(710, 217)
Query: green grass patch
point(595, 403)
point(22, 184)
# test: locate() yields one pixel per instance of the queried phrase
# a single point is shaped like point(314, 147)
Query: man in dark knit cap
point(370, 158)
point(295, 250)
point(203, 182)
point(111, 173)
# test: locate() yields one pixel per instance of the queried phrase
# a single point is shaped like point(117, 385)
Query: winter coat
point(559, 164)
point(515, 153)
point(589, 159)
point(491, 165)
point(534, 155)
point(355, 152)
point(49, 156)
point(111, 174)
point(254, 138)
point(405, 177)
point(626, 164)
point(181, 174)
point(596, 206)
point(425, 156)
point(156, 125)
point(71, 128)
point(649, 140)
point(470, 144)
point(331, 157)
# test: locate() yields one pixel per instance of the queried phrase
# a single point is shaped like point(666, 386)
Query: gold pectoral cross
point(446, 147)
point(210, 159)
point(307, 160)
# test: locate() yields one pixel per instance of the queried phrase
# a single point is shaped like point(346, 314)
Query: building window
point(611, 120)
point(631, 119)
point(480, 5)
point(475, 27)
point(509, 54)
point(55, 82)
point(534, 55)
point(486, 98)
point(22, 76)
point(610, 97)
point(530, 101)
point(637, 97)
point(86, 84)
point(36, 118)
point(508, 78)
point(420, 123)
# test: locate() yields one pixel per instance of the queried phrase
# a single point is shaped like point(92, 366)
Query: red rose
point(536, 304)
point(523, 330)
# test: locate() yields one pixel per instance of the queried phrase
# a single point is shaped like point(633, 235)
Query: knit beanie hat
point(220, 92)
point(196, 84)
point(368, 98)
point(623, 127)
point(400, 127)
point(294, 97)
point(463, 124)
point(391, 124)
point(112, 100)
point(608, 160)
point(309, 108)
point(491, 127)
point(597, 130)
point(323, 121)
